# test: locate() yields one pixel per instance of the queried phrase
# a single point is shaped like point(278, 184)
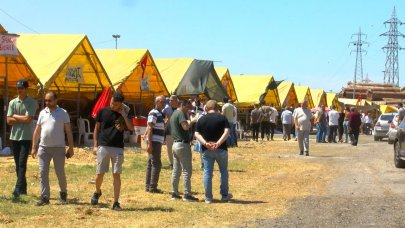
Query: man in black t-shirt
point(108, 143)
point(212, 131)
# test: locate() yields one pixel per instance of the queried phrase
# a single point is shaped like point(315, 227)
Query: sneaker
point(301, 153)
point(208, 201)
point(227, 197)
point(116, 207)
point(63, 197)
point(189, 198)
point(306, 153)
point(175, 197)
point(94, 199)
point(43, 201)
point(155, 190)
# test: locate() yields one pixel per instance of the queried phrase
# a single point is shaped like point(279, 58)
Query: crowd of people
point(172, 122)
point(175, 123)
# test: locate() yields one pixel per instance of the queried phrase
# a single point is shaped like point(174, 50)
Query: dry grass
point(264, 179)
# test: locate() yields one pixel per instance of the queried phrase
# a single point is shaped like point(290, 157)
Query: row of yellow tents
point(70, 65)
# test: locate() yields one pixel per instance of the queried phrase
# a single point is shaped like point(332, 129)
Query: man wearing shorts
point(109, 145)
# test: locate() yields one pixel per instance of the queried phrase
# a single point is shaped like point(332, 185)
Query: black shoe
point(116, 207)
point(307, 153)
point(190, 198)
point(301, 153)
point(63, 197)
point(146, 189)
point(175, 197)
point(16, 194)
point(94, 199)
point(43, 201)
point(155, 190)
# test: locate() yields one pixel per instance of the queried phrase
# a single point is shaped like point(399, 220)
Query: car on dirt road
point(392, 132)
point(382, 125)
point(399, 146)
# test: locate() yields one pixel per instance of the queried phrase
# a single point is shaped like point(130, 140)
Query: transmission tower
point(391, 72)
point(358, 69)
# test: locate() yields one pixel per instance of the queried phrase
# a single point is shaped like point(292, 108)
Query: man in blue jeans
point(20, 113)
point(212, 130)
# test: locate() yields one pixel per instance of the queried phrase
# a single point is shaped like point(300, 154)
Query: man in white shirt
point(333, 124)
point(302, 118)
point(273, 121)
point(286, 120)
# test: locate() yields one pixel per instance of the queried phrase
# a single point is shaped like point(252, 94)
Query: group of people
point(177, 126)
point(264, 119)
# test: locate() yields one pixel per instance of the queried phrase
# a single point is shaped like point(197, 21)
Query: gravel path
point(368, 192)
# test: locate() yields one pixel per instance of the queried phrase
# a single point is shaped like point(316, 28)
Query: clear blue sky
point(302, 41)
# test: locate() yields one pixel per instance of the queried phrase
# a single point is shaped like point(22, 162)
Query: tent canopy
point(332, 99)
point(125, 70)
point(252, 89)
point(388, 108)
point(353, 102)
point(191, 77)
point(286, 92)
point(225, 76)
point(319, 97)
point(63, 63)
point(303, 92)
point(17, 69)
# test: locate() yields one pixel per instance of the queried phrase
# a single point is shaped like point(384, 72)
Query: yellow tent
point(125, 70)
point(303, 92)
point(191, 77)
point(226, 80)
point(17, 69)
point(388, 108)
point(319, 97)
point(252, 89)
point(65, 63)
point(286, 92)
point(332, 99)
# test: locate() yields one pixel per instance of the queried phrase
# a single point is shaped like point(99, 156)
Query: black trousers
point(340, 130)
point(255, 130)
point(21, 151)
point(354, 136)
point(265, 129)
point(154, 166)
point(332, 133)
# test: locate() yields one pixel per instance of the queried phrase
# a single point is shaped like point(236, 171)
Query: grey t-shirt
point(53, 127)
point(303, 116)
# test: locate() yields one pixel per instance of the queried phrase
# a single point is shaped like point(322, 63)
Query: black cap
point(22, 84)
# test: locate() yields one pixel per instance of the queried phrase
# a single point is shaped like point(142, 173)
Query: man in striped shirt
point(154, 140)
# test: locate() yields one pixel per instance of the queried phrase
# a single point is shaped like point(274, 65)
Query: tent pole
point(5, 104)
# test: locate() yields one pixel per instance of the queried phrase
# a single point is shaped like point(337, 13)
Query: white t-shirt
point(53, 127)
point(303, 118)
point(333, 118)
point(273, 115)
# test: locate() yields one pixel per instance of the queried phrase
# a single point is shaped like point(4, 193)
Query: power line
point(19, 22)
point(358, 69)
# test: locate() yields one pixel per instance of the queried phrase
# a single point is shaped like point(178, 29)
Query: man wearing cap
point(21, 112)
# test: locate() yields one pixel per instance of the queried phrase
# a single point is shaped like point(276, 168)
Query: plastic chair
point(239, 130)
point(84, 130)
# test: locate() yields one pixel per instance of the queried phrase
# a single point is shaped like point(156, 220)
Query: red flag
point(358, 100)
point(102, 101)
point(143, 65)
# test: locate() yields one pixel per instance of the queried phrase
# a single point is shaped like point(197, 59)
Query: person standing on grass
point(321, 124)
point(167, 111)
point(212, 131)
point(229, 112)
point(154, 140)
point(346, 124)
point(108, 141)
point(333, 124)
point(182, 157)
point(302, 120)
point(20, 113)
point(286, 120)
point(265, 120)
point(273, 121)
point(354, 125)
point(255, 122)
point(340, 125)
point(53, 122)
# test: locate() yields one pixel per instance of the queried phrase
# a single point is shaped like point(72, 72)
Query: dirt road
point(368, 190)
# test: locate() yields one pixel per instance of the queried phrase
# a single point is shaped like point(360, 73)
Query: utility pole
point(116, 36)
point(358, 69)
point(391, 72)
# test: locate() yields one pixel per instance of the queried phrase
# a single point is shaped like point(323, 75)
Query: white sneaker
point(208, 201)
